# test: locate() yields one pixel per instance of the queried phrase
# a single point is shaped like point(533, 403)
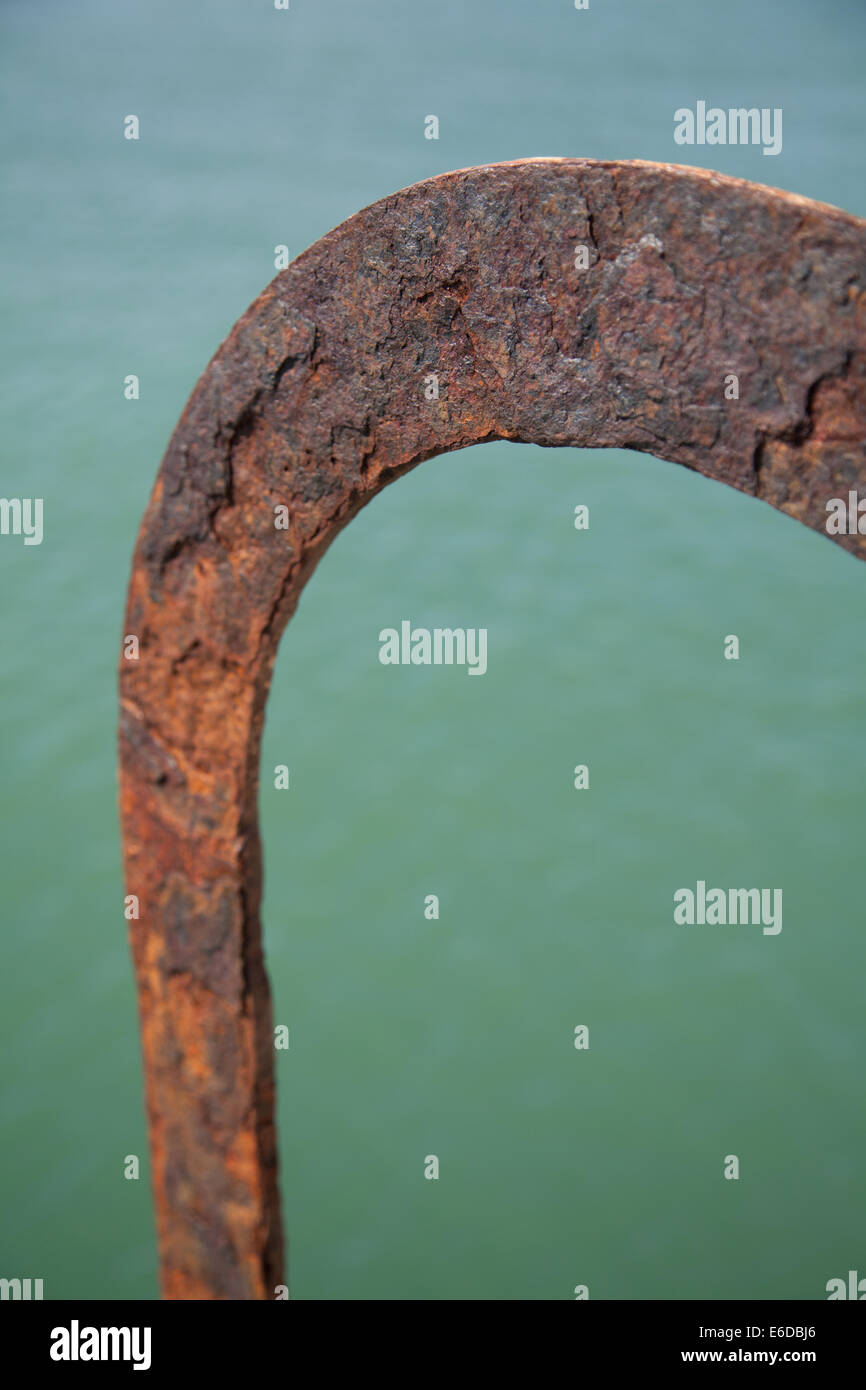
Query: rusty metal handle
point(558, 302)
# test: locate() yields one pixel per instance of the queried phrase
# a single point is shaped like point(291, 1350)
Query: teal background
point(454, 1037)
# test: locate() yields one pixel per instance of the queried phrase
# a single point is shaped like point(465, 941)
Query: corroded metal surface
point(314, 403)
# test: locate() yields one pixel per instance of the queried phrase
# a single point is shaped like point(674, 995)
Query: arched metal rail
point(315, 402)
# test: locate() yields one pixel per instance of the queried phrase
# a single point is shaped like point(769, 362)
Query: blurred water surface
point(452, 1037)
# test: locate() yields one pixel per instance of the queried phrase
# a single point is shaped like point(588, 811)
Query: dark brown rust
point(316, 401)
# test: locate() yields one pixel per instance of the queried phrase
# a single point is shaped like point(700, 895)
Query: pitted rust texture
point(315, 401)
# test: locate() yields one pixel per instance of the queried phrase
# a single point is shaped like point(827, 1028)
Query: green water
point(453, 1037)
